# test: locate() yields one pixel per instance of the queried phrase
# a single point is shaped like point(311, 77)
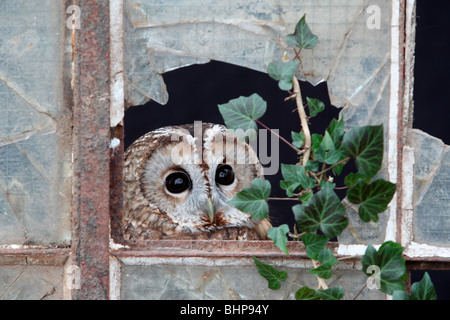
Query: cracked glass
point(35, 141)
point(431, 189)
point(31, 283)
point(225, 280)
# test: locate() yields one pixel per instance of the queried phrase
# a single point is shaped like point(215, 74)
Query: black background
point(195, 92)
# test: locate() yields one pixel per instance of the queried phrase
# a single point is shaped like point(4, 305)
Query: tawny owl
point(178, 180)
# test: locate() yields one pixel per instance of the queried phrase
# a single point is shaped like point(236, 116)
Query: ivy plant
point(320, 214)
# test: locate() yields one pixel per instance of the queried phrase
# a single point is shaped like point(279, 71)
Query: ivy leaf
point(252, 199)
point(327, 184)
point(302, 37)
point(315, 106)
point(334, 293)
point(294, 177)
point(312, 166)
point(424, 289)
point(327, 260)
point(391, 263)
point(324, 211)
point(305, 293)
point(351, 179)
point(241, 112)
point(297, 139)
point(314, 244)
point(283, 72)
point(400, 295)
point(336, 131)
point(316, 139)
point(374, 198)
point(327, 152)
point(278, 235)
point(272, 275)
point(305, 198)
point(365, 144)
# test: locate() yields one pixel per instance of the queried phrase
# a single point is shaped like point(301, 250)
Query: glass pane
point(431, 189)
point(239, 281)
point(31, 283)
point(35, 140)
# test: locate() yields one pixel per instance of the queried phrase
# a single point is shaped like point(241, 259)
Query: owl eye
point(224, 175)
point(178, 182)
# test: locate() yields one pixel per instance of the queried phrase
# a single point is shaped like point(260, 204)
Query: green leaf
point(324, 211)
point(278, 235)
point(315, 106)
point(337, 170)
point(283, 72)
point(305, 198)
point(424, 289)
point(336, 131)
point(365, 144)
point(305, 293)
point(334, 293)
point(327, 260)
point(327, 184)
point(252, 199)
point(312, 166)
point(294, 177)
point(272, 275)
point(374, 198)
point(327, 152)
point(240, 113)
point(351, 179)
point(314, 244)
point(316, 139)
point(391, 264)
point(400, 295)
point(302, 37)
point(297, 139)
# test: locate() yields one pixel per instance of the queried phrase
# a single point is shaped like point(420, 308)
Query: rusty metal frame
point(91, 138)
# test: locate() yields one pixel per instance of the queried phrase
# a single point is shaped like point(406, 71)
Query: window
point(64, 96)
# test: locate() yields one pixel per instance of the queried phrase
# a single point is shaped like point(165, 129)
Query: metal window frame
point(98, 107)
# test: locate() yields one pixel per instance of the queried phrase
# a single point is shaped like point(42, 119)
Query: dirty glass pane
point(352, 55)
point(31, 282)
point(211, 281)
point(35, 143)
point(431, 189)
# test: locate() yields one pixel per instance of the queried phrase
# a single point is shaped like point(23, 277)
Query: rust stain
point(91, 141)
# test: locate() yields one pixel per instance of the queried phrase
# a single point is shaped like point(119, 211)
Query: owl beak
point(210, 210)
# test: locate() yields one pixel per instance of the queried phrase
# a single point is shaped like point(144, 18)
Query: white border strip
point(115, 278)
point(391, 228)
point(408, 195)
point(420, 250)
point(116, 36)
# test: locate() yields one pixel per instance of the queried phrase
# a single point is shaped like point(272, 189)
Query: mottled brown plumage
point(178, 180)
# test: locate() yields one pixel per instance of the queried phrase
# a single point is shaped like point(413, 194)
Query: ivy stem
point(279, 137)
point(334, 165)
point(303, 120)
point(285, 199)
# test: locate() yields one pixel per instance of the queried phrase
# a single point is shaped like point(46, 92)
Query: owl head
point(179, 179)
